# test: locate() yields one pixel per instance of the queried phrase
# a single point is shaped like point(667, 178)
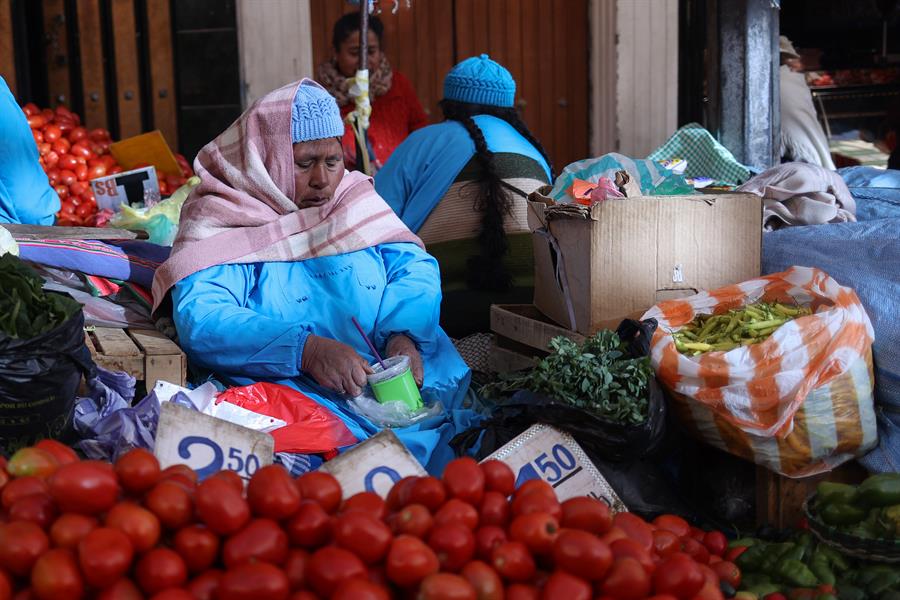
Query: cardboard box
point(622, 256)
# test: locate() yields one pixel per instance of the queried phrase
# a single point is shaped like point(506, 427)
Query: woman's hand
point(334, 365)
point(401, 345)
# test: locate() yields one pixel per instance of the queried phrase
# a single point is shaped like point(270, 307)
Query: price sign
point(374, 465)
point(207, 444)
point(128, 187)
point(544, 452)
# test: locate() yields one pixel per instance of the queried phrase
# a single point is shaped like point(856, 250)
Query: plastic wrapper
point(392, 414)
point(651, 176)
point(311, 428)
point(160, 221)
point(801, 401)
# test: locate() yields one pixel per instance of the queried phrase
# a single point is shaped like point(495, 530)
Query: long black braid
point(487, 272)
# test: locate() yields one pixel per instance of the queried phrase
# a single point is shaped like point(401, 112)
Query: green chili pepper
point(745, 542)
point(764, 589)
point(752, 557)
point(879, 490)
point(826, 597)
point(774, 555)
point(850, 592)
point(796, 573)
point(835, 558)
point(883, 582)
point(818, 564)
point(890, 517)
point(749, 580)
point(842, 514)
point(828, 492)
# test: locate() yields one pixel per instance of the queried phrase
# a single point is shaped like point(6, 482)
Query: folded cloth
point(705, 156)
point(801, 194)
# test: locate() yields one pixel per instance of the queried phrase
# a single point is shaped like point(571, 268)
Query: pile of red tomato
point(72, 156)
point(76, 529)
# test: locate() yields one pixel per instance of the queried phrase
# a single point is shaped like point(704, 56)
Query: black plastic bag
point(39, 378)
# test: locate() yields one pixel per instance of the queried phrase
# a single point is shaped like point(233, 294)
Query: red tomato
point(79, 187)
point(63, 454)
point(36, 508)
point(53, 175)
point(728, 572)
point(715, 542)
point(21, 543)
point(494, 509)
point(228, 476)
point(321, 487)
point(409, 561)
point(520, 591)
point(413, 520)
point(582, 554)
point(63, 192)
point(160, 569)
point(261, 540)
point(104, 555)
point(732, 554)
point(498, 477)
point(485, 580)
point(635, 527)
point(457, 511)
point(632, 549)
point(67, 177)
point(38, 136)
point(55, 576)
point(587, 514)
point(272, 493)
point(99, 134)
point(427, 491)
point(360, 589)
point(566, 586)
point(253, 581)
point(295, 567)
point(37, 121)
point(51, 159)
point(32, 109)
point(114, 170)
point(446, 586)
point(626, 580)
point(711, 591)
point(221, 507)
point(538, 531)
point(536, 502)
point(48, 114)
point(310, 527)
point(66, 161)
point(109, 161)
point(163, 188)
point(171, 504)
point(513, 561)
point(77, 134)
point(174, 181)
point(697, 533)
point(665, 543)
point(367, 502)
point(673, 523)
point(21, 487)
point(464, 479)
point(139, 525)
point(137, 470)
point(486, 539)
point(87, 487)
point(70, 528)
point(695, 550)
point(454, 545)
point(197, 546)
point(330, 566)
point(535, 486)
point(188, 476)
point(62, 147)
point(364, 535)
point(81, 172)
point(678, 575)
point(205, 585)
point(81, 150)
point(123, 589)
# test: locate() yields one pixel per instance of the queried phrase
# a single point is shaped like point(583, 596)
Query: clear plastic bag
point(160, 221)
point(392, 414)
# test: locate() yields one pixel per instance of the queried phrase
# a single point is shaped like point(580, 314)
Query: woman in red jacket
point(396, 111)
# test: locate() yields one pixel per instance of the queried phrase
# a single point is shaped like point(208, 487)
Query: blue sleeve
point(218, 333)
point(411, 303)
point(392, 181)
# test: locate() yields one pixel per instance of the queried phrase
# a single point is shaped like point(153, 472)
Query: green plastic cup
point(395, 383)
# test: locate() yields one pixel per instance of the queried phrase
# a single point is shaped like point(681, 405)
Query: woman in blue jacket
point(462, 184)
point(279, 247)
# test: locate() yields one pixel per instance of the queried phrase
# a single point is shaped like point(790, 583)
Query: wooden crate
point(522, 333)
point(779, 499)
point(144, 354)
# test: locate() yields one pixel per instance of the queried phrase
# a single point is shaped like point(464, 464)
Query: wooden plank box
point(145, 354)
point(522, 333)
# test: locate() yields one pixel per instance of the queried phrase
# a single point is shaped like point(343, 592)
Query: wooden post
point(93, 77)
point(7, 54)
point(58, 86)
point(162, 75)
point(128, 89)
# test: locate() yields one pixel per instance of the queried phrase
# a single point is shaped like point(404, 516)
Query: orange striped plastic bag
point(799, 402)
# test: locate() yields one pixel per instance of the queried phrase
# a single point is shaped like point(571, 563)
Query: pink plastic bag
point(311, 428)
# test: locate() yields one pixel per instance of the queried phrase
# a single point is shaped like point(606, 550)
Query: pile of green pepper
point(870, 510)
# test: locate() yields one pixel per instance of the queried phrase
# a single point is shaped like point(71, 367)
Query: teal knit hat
point(480, 80)
point(314, 114)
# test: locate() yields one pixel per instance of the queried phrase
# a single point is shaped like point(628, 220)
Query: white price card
point(207, 444)
point(129, 187)
point(544, 452)
point(375, 465)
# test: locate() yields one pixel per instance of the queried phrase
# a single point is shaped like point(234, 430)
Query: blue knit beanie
point(480, 80)
point(314, 114)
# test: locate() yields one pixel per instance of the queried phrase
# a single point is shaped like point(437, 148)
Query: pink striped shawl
point(243, 212)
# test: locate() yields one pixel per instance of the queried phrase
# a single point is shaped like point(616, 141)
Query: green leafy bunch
point(597, 376)
point(26, 311)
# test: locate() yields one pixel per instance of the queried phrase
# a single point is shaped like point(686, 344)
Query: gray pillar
point(749, 110)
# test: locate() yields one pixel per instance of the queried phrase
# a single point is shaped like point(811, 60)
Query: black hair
point(487, 272)
point(349, 24)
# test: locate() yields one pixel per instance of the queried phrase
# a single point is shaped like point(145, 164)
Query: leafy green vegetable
point(597, 376)
point(26, 311)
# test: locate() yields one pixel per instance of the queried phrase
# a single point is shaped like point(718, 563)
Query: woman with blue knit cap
point(462, 185)
point(279, 247)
